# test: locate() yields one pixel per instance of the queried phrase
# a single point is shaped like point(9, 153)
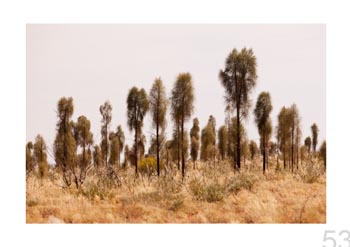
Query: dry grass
point(207, 195)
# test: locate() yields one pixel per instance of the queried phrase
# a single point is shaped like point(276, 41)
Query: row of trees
point(75, 152)
point(238, 79)
point(36, 155)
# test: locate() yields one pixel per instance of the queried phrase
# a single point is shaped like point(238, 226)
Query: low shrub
point(310, 172)
point(210, 192)
point(176, 204)
point(148, 165)
point(108, 178)
point(169, 185)
point(149, 197)
point(92, 191)
point(214, 192)
point(241, 181)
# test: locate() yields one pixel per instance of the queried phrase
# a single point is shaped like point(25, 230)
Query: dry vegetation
point(207, 195)
point(160, 191)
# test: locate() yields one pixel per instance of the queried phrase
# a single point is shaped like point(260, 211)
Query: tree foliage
point(152, 150)
point(289, 134)
point(85, 137)
point(245, 150)
point(126, 156)
point(158, 108)
point(182, 98)
point(106, 113)
point(121, 140)
point(314, 131)
point(307, 143)
point(223, 141)
point(262, 112)
point(137, 107)
point(232, 140)
point(323, 153)
point(208, 140)
point(97, 156)
point(114, 149)
point(296, 133)
point(40, 153)
point(84, 140)
point(283, 133)
point(30, 160)
point(194, 135)
point(65, 145)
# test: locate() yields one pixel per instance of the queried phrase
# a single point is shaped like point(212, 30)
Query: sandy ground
point(274, 198)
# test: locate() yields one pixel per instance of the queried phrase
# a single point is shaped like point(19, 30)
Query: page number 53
point(333, 239)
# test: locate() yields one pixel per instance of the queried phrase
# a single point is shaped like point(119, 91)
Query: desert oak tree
point(262, 112)
point(238, 79)
point(314, 131)
point(106, 112)
point(65, 145)
point(222, 144)
point(182, 99)
point(194, 135)
point(137, 107)
point(40, 153)
point(158, 107)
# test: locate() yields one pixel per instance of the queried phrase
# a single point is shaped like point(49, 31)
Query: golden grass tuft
point(212, 193)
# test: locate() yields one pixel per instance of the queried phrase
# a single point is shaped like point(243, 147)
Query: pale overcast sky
point(93, 63)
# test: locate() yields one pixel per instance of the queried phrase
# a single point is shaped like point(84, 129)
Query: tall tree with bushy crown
point(262, 112)
point(65, 145)
point(182, 98)
point(137, 107)
point(158, 108)
point(106, 112)
point(238, 79)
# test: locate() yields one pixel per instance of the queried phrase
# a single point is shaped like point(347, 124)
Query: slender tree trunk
point(83, 167)
point(64, 165)
point(178, 145)
point(106, 149)
point(182, 147)
point(136, 144)
point(66, 177)
point(264, 154)
point(264, 161)
point(267, 160)
point(238, 148)
point(41, 153)
point(284, 158)
point(157, 130)
point(297, 148)
point(293, 150)
point(297, 153)
point(214, 147)
point(267, 155)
